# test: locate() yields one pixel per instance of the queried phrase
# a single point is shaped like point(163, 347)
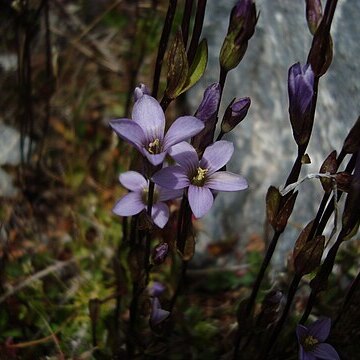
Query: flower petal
point(326, 352)
point(226, 181)
point(200, 200)
point(130, 204)
point(301, 332)
point(155, 159)
point(182, 129)
point(172, 177)
point(217, 155)
point(185, 155)
point(130, 131)
point(158, 314)
point(320, 329)
point(148, 113)
point(160, 214)
point(169, 194)
point(132, 180)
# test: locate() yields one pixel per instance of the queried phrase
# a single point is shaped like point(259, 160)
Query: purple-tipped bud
point(313, 14)
point(301, 92)
point(244, 11)
point(159, 253)
point(207, 112)
point(209, 103)
point(235, 113)
point(242, 24)
point(141, 90)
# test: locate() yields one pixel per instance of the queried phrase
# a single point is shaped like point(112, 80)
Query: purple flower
point(146, 129)
point(235, 113)
point(311, 340)
point(136, 200)
point(313, 14)
point(141, 90)
point(158, 314)
point(156, 289)
point(300, 87)
point(200, 177)
point(245, 12)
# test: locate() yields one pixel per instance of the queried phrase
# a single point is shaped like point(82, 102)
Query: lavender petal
point(200, 200)
point(160, 214)
point(130, 131)
point(148, 114)
point(216, 156)
point(172, 177)
point(169, 194)
point(155, 159)
point(320, 329)
point(185, 155)
point(226, 181)
point(326, 352)
point(182, 129)
point(132, 180)
point(130, 204)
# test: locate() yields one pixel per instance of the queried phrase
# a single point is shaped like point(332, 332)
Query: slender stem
point(291, 294)
point(186, 21)
point(199, 21)
point(163, 44)
point(180, 284)
point(353, 288)
point(322, 276)
point(148, 234)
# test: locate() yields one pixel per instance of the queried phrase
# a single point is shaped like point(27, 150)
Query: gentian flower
point(160, 253)
point(311, 340)
point(200, 177)
point(301, 92)
point(146, 129)
point(136, 200)
point(300, 87)
point(158, 314)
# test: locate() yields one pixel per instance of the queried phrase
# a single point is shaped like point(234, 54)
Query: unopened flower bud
point(235, 113)
point(141, 90)
point(207, 112)
point(159, 253)
point(242, 24)
point(301, 92)
point(156, 289)
point(313, 14)
point(178, 67)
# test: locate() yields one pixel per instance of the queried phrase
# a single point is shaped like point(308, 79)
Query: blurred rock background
point(265, 149)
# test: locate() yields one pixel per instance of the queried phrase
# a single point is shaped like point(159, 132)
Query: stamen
point(154, 147)
point(199, 177)
point(309, 343)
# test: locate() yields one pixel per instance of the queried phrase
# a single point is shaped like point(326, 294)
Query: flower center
point(199, 177)
point(309, 343)
point(154, 147)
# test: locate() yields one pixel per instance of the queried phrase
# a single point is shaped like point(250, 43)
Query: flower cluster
point(197, 178)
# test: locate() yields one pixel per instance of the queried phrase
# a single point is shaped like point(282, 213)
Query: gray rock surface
point(9, 154)
point(264, 146)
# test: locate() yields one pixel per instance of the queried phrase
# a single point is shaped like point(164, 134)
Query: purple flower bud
point(159, 253)
point(301, 91)
point(209, 103)
point(245, 11)
point(235, 113)
point(313, 14)
point(156, 289)
point(207, 112)
point(141, 90)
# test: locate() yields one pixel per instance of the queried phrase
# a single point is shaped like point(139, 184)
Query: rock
point(264, 146)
